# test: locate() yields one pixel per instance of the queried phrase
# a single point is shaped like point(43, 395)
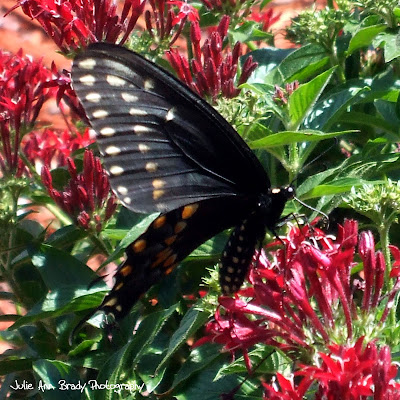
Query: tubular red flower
point(23, 92)
point(52, 148)
point(76, 23)
point(351, 372)
point(213, 69)
point(266, 18)
point(308, 288)
point(86, 193)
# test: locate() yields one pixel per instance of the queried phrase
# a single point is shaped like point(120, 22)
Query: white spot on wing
point(116, 170)
point(122, 190)
point(143, 148)
point(100, 114)
point(151, 167)
point(141, 129)
point(107, 131)
point(112, 150)
point(129, 97)
point(87, 80)
point(137, 111)
point(158, 183)
point(127, 200)
point(148, 84)
point(115, 80)
point(93, 97)
point(89, 63)
point(170, 114)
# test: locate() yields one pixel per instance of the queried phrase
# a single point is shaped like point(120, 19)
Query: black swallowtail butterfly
point(168, 150)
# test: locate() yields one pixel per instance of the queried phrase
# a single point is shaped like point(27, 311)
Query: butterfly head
point(284, 192)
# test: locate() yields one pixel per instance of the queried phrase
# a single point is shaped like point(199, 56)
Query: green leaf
point(209, 251)
point(364, 36)
point(130, 355)
point(58, 380)
point(303, 99)
point(301, 59)
point(248, 31)
point(58, 268)
point(149, 362)
point(391, 44)
point(268, 59)
point(289, 137)
point(329, 109)
point(62, 301)
point(203, 386)
point(362, 119)
point(341, 185)
point(189, 324)
point(266, 358)
point(200, 358)
point(12, 364)
point(130, 237)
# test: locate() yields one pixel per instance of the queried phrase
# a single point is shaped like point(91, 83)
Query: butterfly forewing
point(163, 146)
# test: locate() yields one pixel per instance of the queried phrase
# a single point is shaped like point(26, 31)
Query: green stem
point(252, 46)
point(293, 161)
point(335, 62)
point(7, 267)
point(384, 228)
point(101, 244)
point(61, 216)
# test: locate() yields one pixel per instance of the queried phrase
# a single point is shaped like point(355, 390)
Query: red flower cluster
point(303, 294)
point(161, 21)
point(347, 372)
point(23, 90)
point(213, 72)
point(87, 199)
point(52, 148)
point(76, 23)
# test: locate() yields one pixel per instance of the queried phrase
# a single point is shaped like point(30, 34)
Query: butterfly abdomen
point(238, 253)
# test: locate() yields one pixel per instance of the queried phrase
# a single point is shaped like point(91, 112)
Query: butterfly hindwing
point(167, 241)
point(163, 145)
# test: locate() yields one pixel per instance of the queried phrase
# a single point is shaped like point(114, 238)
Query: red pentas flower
point(62, 85)
point(52, 148)
point(301, 296)
point(212, 71)
point(354, 372)
point(76, 23)
point(266, 19)
point(87, 199)
point(23, 90)
point(346, 372)
point(164, 24)
point(185, 11)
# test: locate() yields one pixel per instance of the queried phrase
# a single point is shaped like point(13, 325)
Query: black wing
point(166, 242)
point(163, 145)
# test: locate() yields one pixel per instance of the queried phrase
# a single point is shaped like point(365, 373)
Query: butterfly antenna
point(319, 156)
point(325, 216)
